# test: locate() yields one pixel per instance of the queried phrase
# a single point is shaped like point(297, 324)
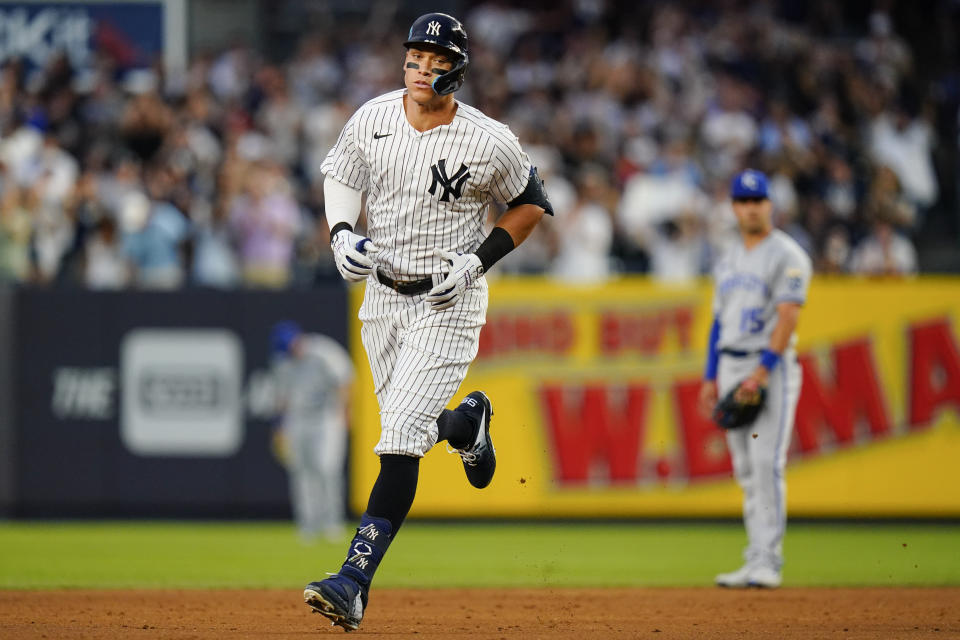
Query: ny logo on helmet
point(452, 184)
point(749, 181)
point(433, 29)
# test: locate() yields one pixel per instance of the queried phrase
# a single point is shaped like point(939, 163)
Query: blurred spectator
point(883, 51)
point(653, 203)
point(279, 117)
point(839, 190)
point(843, 109)
point(215, 261)
point(728, 131)
point(835, 255)
point(14, 236)
point(585, 231)
point(106, 265)
point(885, 199)
point(154, 232)
point(677, 250)
point(322, 126)
point(146, 119)
point(884, 252)
point(905, 145)
point(265, 219)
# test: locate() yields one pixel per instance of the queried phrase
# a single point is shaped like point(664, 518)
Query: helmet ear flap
point(452, 80)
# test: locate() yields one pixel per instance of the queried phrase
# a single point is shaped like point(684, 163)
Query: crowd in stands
point(209, 176)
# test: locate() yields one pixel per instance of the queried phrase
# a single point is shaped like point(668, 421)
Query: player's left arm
point(517, 222)
point(789, 293)
point(513, 227)
point(788, 314)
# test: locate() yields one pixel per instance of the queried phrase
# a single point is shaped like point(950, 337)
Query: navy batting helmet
point(447, 32)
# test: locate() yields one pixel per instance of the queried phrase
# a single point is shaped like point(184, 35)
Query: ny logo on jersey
point(453, 184)
point(433, 28)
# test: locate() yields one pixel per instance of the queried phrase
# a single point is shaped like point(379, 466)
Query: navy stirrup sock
point(366, 549)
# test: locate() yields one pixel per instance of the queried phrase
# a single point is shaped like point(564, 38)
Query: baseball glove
point(741, 406)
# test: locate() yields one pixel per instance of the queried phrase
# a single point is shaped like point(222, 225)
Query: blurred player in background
point(430, 166)
point(760, 286)
point(312, 375)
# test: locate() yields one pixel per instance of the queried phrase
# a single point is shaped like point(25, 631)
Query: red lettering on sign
point(934, 371)
point(704, 442)
point(644, 331)
point(854, 394)
point(683, 321)
point(595, 430)
point(526, 333)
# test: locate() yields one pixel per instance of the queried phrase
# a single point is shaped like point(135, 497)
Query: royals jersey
point(310, 385)
point(750, 285)
point(425, 189)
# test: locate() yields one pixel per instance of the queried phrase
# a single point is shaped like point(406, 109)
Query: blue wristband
point(769, 359)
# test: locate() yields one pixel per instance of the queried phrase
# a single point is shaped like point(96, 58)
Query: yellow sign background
point(906, 473)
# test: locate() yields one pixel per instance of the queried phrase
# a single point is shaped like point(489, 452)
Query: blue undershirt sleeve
point(713, 356)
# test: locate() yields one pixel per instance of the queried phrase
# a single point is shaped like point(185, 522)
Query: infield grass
point(41, 555)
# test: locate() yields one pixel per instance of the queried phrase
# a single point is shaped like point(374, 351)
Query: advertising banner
point(134, 33)
point(153, 404)
point(594, 393)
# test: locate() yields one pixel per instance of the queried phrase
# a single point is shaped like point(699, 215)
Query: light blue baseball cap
point(749, 184)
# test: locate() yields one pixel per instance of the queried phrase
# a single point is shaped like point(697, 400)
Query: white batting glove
point(348, 252)
point(465, 269)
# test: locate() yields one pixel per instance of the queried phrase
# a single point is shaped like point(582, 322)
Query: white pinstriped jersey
point(750, 285)
point(425, 189)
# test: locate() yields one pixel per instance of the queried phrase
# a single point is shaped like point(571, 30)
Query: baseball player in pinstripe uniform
point(761, 285)
point(430, 166)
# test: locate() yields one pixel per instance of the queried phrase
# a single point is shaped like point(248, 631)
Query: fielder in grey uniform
point(760, 286)
point(430, 167)
point(312, 376)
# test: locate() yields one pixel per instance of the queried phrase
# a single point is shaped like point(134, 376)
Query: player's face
point(753, 214)
point(421, 66)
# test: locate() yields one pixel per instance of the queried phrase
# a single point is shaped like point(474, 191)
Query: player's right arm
point(708, 388)
point(342, 204)
point(346, 173)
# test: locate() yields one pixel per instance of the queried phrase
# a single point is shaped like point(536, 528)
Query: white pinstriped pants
point(759, 462)
point(418, 358)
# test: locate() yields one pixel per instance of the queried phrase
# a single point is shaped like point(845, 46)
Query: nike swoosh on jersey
point(377, 136)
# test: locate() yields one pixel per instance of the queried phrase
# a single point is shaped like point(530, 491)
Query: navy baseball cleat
point(339, 599)
point(480, 458)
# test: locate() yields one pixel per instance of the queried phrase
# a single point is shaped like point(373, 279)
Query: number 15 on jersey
point(751, 320)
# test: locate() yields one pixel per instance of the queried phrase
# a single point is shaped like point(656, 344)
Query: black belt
point(405, 287)
point(736, 353)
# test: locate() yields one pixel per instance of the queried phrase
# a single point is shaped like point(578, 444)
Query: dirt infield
point(557, 614)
